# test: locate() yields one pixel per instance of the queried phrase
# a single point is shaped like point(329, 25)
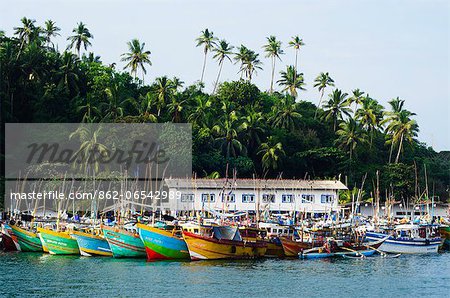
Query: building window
point(307, 198)
point(208, 197)
point(187, 197)
point(268, 198)
point(324, 199)
point(248, 198)
point(229, 198)
point(287, 198)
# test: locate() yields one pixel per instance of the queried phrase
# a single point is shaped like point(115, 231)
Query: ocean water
point(44, 275)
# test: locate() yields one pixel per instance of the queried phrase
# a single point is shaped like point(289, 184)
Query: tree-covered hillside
point(259, 133)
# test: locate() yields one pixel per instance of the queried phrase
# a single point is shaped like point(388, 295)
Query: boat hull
point(91, 245)
point(405, 246)
point(27, 240)
point(59, 243)
point(162, 244)
point(124, 244)
point(207, 248)
point(322, 255)
point(292, 248)
point(445, 234)
point(9, 240)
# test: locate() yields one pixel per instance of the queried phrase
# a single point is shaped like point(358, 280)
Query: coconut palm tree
point(226, 131)
point(164, 90)
point(350, 135)
point(296, 43)
point(50, 30)
point(68, 72)
point(400, 127)
point(356, 98)
point(370, 116)
point(222, 52)
point(136, 57)
point(291, 81)
point(285, 114)
point(113, 107)
point(271, 152)
point(249, 62)
point(81, 37)
point(253, 128)
point(26, 33)
point(208, 41)
point(322, 81)
point(336, 107)
point(273, 50)
point(176, 107)
point(200, 112)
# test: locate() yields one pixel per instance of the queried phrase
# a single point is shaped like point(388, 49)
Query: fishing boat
point(44, 245)
point(271, 234)
point(220, 242)
point(8, 239)
point(163, 242)
point(301, 240)
point(445, 235)
point(92, 243)
point(28, 240)
point(339, 248)
point(59, 242)
point(408, 239)
point(124, 243)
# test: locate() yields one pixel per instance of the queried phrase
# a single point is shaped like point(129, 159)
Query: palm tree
point(285, 114)
point(253, 128)
point(207, 40)
point(112, 108)
point(273, 50)
point(356, 98)
point(222, 52)
point(176, 107)
point(400, 127)
point(249, 62)
point(26, 33)
point(50, 31)
point(68, 72)
point(144, 106)
point(81, 37)
point(291, 80)
point(227, 130)
point(336, 107)
point(202, 106)
point(296, 43)
point(370, 116)
point(350, 135)
point(136, 57)
point(164, 90)
point(322, 81)
point(88, 109)
point(271, 154)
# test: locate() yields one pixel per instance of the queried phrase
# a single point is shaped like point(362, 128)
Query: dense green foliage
point(259, 134)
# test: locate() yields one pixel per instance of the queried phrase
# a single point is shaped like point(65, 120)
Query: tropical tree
point(271, 152)
point(81, 36)
point(26, 33)
point(164, 90)
point(50, 30)
point(176, 107)
point(356, 98)
point(68, 72)
point(136, 57)
point(253, 128)
point(296, 43)
point(249, 62)
point(322, 81)
point(200, 111)
point(350, 135)
point(285, 113)
point(273, 50)
point(370, 116)
point(400, 127)
point(207, 41)
point(113, 107)
point(291, 81)
point(226, 131)
point(336, 107)
point(222, 52)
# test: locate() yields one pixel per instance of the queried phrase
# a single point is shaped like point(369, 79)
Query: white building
point(282, 195)
point(399, 210)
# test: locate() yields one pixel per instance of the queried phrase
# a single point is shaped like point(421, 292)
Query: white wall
point(238, 205)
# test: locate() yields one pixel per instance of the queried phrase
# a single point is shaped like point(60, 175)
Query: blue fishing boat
point(123, 243)
point(91, 244)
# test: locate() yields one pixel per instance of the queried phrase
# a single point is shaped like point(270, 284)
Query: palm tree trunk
point(390, 151)
point(203, 69)
point(399, 148)
point(318, 106)
point(296, 54)
point(218, 76)
point(273, 74)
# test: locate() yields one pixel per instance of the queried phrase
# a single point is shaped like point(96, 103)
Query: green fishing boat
point(59, 243)
point(29, 241)
point(123, 243)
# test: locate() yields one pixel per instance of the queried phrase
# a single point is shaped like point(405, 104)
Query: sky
point(387, 48)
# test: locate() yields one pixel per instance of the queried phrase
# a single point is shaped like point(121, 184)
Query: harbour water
point(47, 275)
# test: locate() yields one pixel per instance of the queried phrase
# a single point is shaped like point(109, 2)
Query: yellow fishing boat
point(221, 242)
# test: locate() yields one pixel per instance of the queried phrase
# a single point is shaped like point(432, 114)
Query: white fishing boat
point(408, 239)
